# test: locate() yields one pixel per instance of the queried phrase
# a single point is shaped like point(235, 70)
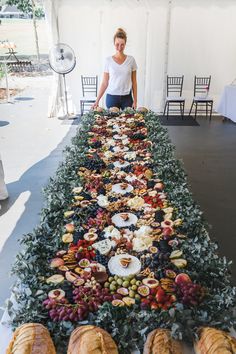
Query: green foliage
point(204, 264)
point(26, 6)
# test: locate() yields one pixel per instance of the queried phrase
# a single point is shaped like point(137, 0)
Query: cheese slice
point(103, 246)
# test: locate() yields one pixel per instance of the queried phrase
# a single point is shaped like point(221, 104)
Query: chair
point(201, 98)
point(174, 95)
point(89, 89)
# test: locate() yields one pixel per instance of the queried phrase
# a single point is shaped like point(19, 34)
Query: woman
point(119, 78)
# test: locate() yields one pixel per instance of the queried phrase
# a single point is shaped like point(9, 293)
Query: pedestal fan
point(62, 60)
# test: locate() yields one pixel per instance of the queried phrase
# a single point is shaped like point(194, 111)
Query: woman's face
point(119, 44)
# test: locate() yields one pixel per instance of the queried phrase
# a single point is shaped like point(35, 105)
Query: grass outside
point(21, 32)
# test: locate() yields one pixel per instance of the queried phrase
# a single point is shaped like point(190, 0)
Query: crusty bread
point(31, 338)
point(160, 341)
point(91, 340)
point(214, 341)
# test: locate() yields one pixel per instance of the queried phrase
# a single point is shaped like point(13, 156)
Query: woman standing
point(119, 78)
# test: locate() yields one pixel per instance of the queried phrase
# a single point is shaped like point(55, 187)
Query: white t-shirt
point(120, 82)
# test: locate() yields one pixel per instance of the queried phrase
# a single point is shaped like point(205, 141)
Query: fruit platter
point(121, 243)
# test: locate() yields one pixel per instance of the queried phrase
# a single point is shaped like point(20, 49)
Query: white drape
point(201, 40)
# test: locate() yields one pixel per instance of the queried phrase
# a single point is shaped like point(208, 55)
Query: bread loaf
point(31, 338)
point(214, 341)
point(160, 341)
point(91, 340)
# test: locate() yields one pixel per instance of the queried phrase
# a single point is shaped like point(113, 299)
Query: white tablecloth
point(227, 105)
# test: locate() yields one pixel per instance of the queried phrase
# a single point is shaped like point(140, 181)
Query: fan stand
point(67, 115)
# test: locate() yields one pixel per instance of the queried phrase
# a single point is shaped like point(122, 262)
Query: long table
point(227, 104)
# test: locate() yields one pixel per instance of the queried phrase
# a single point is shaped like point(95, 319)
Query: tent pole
point(167, 46)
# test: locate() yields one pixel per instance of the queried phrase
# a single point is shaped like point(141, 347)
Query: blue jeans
point(119, 101)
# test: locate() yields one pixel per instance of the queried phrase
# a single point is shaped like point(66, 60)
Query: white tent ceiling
point(177, 37)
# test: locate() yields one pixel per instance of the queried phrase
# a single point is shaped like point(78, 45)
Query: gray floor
point(209, 156)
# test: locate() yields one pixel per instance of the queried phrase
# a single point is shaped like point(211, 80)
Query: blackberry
point(159, 216)
point(101, 259)
point(150, 184)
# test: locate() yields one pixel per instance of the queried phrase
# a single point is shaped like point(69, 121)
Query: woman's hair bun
point(120, 33)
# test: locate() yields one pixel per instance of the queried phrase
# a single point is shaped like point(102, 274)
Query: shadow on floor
point(31, 181)
point(209, 157)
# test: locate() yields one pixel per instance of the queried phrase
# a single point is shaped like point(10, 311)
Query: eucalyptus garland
point(45, 247)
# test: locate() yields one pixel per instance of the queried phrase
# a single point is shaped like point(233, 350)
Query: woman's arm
point(134, 88)
point(102, 89)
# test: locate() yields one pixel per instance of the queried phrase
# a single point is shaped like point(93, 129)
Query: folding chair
point(201, 98)
point(174, 95)
point(89, 90)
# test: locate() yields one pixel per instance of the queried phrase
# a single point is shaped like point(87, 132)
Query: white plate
point(116, 188)
point(120, 222)
point(119, 137)
point(118, 149)
point(119, 165)
point(116, 268)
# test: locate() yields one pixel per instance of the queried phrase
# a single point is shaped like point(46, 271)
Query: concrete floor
point(31, 147)
point(209, 156)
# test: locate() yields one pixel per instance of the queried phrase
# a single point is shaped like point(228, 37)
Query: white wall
point(202, 41)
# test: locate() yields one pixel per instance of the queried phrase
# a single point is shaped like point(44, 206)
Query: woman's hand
point(95, 105)
point(134, 105)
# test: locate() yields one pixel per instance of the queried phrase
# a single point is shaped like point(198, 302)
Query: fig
point(182, 278)
point(56, 294)
point(90, 236)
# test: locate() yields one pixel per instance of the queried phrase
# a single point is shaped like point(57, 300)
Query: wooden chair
point(174, 95)
point(201, 100)
point(89, 90)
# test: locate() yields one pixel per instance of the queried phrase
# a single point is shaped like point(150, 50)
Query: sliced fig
point(56, 294)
